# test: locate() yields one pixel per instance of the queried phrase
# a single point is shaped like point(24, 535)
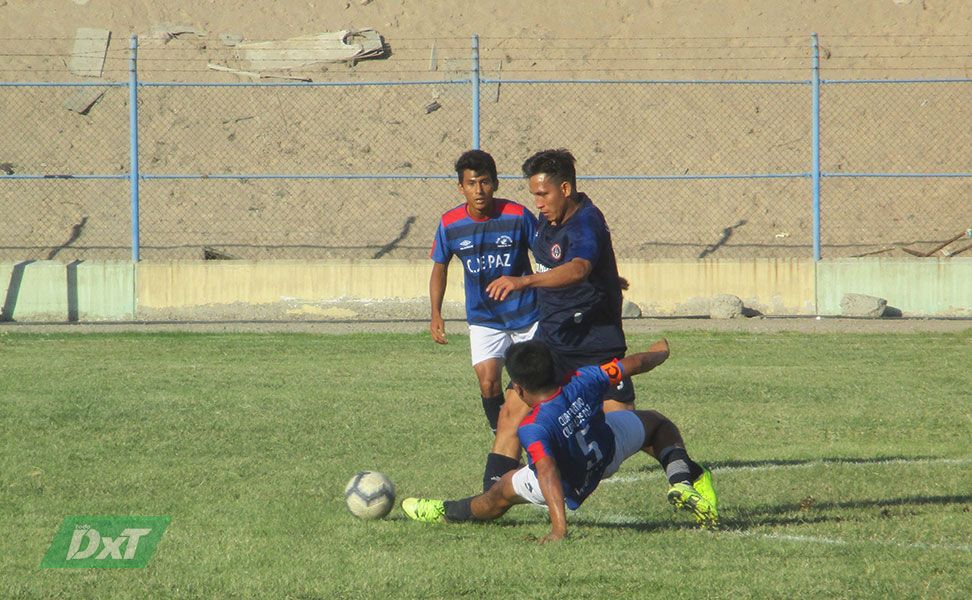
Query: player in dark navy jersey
point(491, 238)
point(577, 281)
point(572, 444)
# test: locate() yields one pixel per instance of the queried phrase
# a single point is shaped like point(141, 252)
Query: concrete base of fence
point(47, 290)
point(338, 289)
point(782, 286)
point(928, 287)
point(192, 283)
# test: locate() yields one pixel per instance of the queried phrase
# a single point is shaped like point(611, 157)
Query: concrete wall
point(87, 291)
point(53, 291)
point(192, 283)
point(683, 288)
point(925, 287)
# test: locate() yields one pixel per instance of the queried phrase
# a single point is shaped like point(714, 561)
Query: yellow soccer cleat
point(424, 510)
point(685, 497)
point(703, 485)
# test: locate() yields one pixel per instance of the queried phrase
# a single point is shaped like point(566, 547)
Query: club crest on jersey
point(504, 241)
point(556, 252)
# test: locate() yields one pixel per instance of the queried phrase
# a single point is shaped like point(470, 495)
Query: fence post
point(133, 174)
point(474, 76)
point(816, 148)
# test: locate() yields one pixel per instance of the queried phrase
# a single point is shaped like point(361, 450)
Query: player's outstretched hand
point(642, 362)
point(499, 289)
point(658, 353)
point(437, 329)
point(552, 537)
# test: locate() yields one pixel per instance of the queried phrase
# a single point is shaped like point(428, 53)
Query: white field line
point(838, 542)
point(805, 539)
point(657, 473)
point(630, 520)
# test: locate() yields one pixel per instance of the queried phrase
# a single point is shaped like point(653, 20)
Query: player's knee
point(490, 375)
point(660, 431)
point(613, 405)
point(507, 424)
point(490, 387)
point(506, 442)
point(504, 492)
point(494, 502)
point(651, 415)
point(653, 421)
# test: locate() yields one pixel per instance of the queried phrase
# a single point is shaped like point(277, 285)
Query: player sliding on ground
point(572, 444)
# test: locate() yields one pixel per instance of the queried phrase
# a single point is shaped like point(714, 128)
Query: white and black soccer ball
point(369, 495)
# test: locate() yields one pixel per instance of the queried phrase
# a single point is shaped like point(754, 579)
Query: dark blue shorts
point(593, 345)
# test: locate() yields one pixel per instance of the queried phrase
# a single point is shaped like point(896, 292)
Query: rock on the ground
point(630, 310)
point(862, 305)
point(726, 306)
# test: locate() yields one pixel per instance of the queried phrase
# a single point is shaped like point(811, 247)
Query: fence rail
point(811, 167)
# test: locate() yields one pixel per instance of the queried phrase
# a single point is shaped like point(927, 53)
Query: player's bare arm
point(567, 274)
point(642, 362)
point(548, 475)
point(437, 287)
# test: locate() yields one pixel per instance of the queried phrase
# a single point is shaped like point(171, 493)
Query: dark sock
point(678, 466)
point(491, 406)
point(496, 466)
point(457, 511)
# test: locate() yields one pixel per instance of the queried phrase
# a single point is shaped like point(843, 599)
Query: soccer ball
point(369, 495)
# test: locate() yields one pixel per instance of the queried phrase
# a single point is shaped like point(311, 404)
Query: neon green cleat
point(703, 485)
point(424, 510)
point(685, 497)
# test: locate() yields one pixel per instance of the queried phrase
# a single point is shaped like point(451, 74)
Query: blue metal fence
point(555, 108)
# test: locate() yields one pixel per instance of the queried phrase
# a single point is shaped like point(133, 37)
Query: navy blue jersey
point(570, 428)
point(488, 249)
point(585, 317)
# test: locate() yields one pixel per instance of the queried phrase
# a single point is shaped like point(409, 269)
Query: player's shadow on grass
point(770, 463)
point(646, 526)
point(807, 512)
point(782, 515)
point(816, 505)
point(718, 466)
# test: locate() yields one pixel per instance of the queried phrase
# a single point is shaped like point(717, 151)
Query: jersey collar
point(494, 212)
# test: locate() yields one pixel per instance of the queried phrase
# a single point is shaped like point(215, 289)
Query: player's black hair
point(558, 164)
point(477, 161)
point(530, 365)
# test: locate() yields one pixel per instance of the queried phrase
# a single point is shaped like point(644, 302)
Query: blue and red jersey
point(488, 249)
point(570, 428)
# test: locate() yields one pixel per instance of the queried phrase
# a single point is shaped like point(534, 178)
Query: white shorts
point(629, 437)
point(486, 343)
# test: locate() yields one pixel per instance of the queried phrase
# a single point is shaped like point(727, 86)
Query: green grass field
point(843, 465)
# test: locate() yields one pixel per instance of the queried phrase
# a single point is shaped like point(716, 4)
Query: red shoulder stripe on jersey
point(536, 452)
point(456, 214)
point(530, 418)
point(614, 371)
point(510, 208)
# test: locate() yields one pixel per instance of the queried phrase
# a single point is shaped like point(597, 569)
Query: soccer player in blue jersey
point(491, 238)
point(572, 445)
point(577, 282)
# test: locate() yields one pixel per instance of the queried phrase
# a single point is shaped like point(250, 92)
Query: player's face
point(477, 188)
point(550, 196)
